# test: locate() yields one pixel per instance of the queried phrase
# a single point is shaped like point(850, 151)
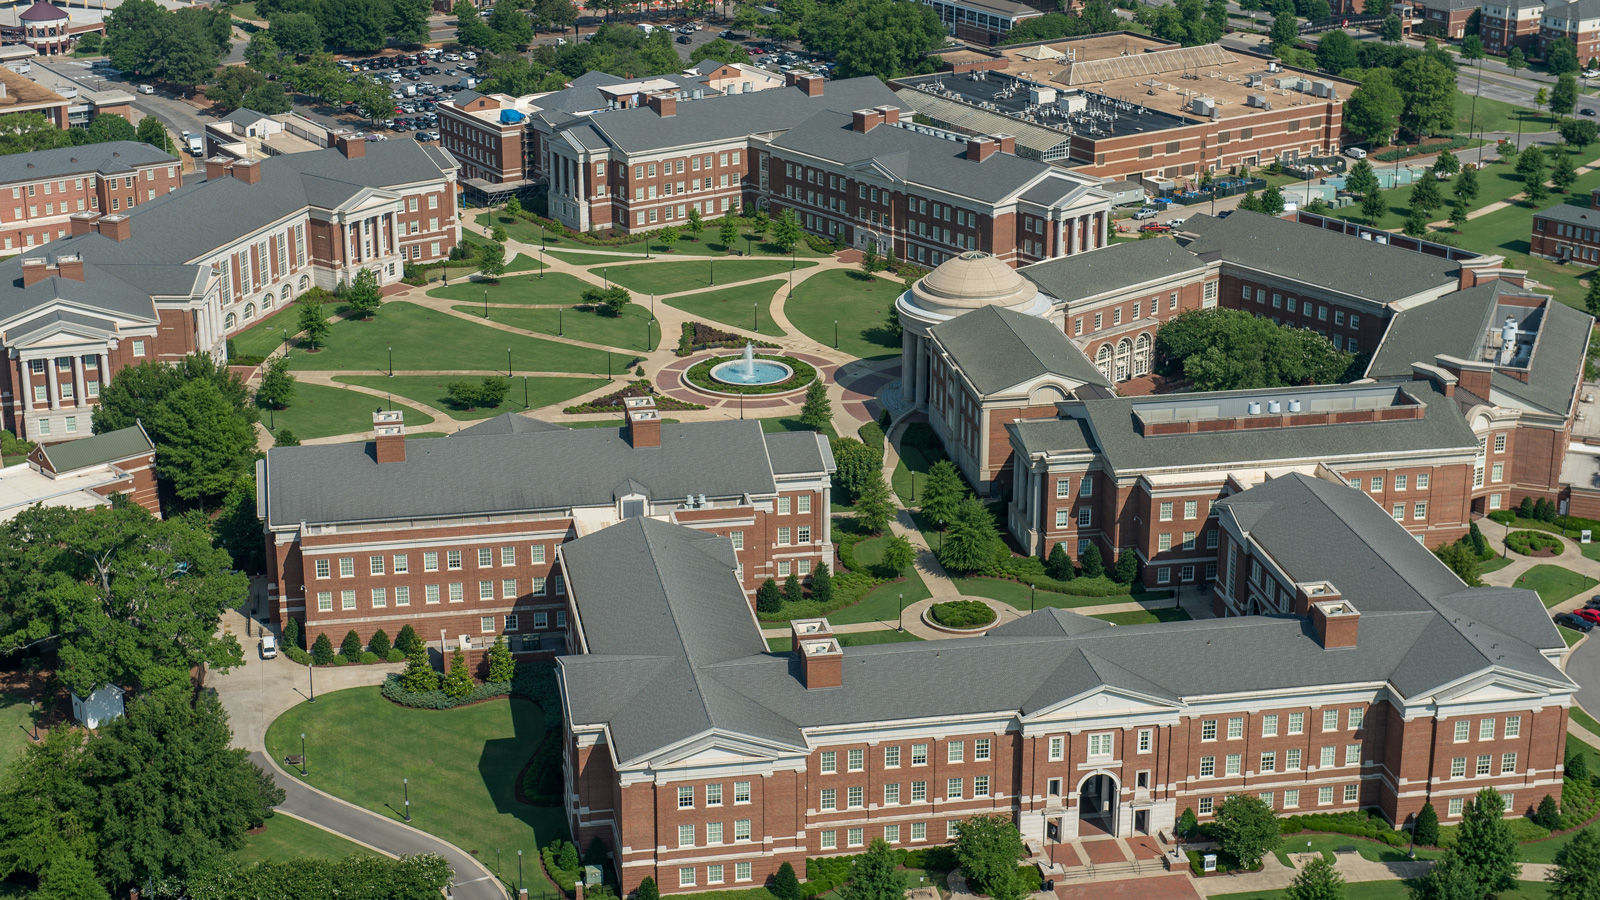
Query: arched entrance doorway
point(1097, 806)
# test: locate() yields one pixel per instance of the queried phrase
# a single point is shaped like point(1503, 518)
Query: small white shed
point(99, 707)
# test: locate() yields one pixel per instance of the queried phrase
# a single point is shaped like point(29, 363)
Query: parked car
point(685, 39)
point(1147, 212)
point(269, 647)
point(1175, 223)
point(1355, 153)
point(1568, 620)
point(1588, 615)
point(1156, 228)
point(469, 55)
point(726, 35)
point(1594, 602)
point(1588, 111)
point(147, 89)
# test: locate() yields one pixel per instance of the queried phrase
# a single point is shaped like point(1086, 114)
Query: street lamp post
point(755, 317)
point(561, 325)
point(902, 612)
point(508, 362)
point(1030, 598)
point(406, 783)
point(524, 392)
point(391, 360)
point(302, 754)
point(835, 334)
point(486, 303)
point(285, 342)
point(605, 274)
point(311, 673)
point(519, 870)
point(713, 265)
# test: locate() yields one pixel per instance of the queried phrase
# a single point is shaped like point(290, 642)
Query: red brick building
point(703, 761)
point(1578, 22)
point(83, 473)
point(1568, 233)
point(46, 187)
point(1505, 24)
point(457, 538)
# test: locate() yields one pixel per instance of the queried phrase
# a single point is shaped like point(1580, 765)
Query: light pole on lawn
point(519, 871)
point(835, 334)
point(302, 754)
point(902, 612)
point(561, 325)
point(486, 303)
point(508, 362)
point(524, 392)
point(311, 673)
point(713, 264)
point(406, 783)
point(391, 360)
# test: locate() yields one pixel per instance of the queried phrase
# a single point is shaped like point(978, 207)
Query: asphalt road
point(472, 881)
point(1583, 666)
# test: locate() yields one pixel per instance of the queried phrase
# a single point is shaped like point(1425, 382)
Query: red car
point(1591, 615)
point(1157, 227)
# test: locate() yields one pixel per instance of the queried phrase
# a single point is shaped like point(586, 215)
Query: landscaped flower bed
point(962, 614)
point(697, 336)
point(699, 375)
point(1534, 543)
point(613, 402)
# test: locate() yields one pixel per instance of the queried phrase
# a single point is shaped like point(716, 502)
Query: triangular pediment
point(368, 198)
point(875, 167)
point(716, 748)
point(1492, 687)
point(1104, 701)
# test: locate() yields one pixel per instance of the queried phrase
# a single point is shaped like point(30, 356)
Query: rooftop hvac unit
point(699, 94)
point(1253, 408)
point(1274, 407)
point(1202, 106)
point(1294, 406)
point(747, 87)
point(1041, 95)
point(1255, 100)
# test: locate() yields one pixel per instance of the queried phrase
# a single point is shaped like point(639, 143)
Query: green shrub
point(962, 614)
point(1503, 516)
point(871, 435)
point(542, 779)
point(322, 650)
point(1529, 542)
point(407, 640)
point(393, 692)
point(394, 655)
point(350, 647)
point(537, 682)
point(379, 643)
point(369, 658)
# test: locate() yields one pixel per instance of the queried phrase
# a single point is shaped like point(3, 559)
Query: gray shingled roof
point(1000, 348)
point(799, 453)
point(100, 291)
point(245, 116)
point(1583, 216)
point(509, 423)
point(914, 157)
point(1114, 268)
point(1112, 430)
point(677, 655)
point(1328, 259)
point(112, 446)
point(641, 129)
point(1455, 325)
point(482, 474)
point(117, 157)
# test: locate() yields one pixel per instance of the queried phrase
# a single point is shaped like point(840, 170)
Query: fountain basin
point(751, 372)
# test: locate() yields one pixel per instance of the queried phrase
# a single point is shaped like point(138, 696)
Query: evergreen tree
point(285, 438)
point(876, 875)
point(1127, 566)
point(1577, 766)
point(457, 682)
point(786, 231)
point(1458, 213)
point(1416, 222)
point(1451, 878)
point(1446, 164)
point(1562, 172)
point(1317, 881)
point(1272, 201)
point(898, 555)
point(785, 886)
point(1577, 868)
point(1092, 563)
point(1426, 831)
point(768, 598)
point(792, 592)
point(875, 507)
point(502, 668)
point(1480, 544)
point(277, 385)
point(727, 234)
point(1486, 845)
point(350, 648)
point(1059, 564)
point(817, 411)
point(291, 633)
point(1249, 202)
point(822, 584)
point(695, 224)
point(942, 492)
point(1373, 206)
point(869, 257)
point(1188, 823)
point(1362, 179)
point(379, 643)
point(1425, 194)
point(419, 676)
point(313, 321)
point(973, 543)
point(407, 640)
point(1466, 184)
point(1548, 814)
point(322, 650)
point(1525, 508)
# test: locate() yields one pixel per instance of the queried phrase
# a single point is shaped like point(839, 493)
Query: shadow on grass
point(501, 765)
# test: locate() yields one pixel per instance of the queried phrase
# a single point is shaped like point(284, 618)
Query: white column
point(1070, 226)
point(924, 358)
point(908, 365)
point(1061, 237)
point(52, 384)
point(1100, 233)
point(27, 389)
point(77, 382)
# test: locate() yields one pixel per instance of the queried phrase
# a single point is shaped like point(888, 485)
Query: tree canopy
point(988, 848)
point(883, 38)
point(1224, 349)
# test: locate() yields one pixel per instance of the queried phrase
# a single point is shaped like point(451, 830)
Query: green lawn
point(851, 639)
point(522, 262)
point(856, 302)
point(1327, 844)
point(689, 275)
point(1145, 617)
point(1554, 583)
point(519, 230)
point(1588, 723)
point(1570, 636)
point(592, 259)
point(426, 339)
point(16, 718)
point(1495, 183)
point(1493, 565)
point(870, 553)
point(1016, 594)
point(267, 334)
point(911, 472)
point(737, 306)
point(323, 411)
point(883, 603)
point(528, 233)
point(287, 838)
point(554, 289)
point(625, 332)
point(462, 765)
point(1498, 115)
point(430, 390)
point(1393, 890)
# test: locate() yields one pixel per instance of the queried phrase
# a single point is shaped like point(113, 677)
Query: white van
point(1355, 153)
point(269, 647)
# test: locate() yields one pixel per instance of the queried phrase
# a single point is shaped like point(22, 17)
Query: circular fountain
point(751, 371)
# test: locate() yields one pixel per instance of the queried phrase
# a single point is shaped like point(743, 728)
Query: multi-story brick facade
point(1568, 233)
point(703, 761)
point(1578, 22)
point(45, 188)
point(1505, 24)
point(448, 536)
point(84, 473)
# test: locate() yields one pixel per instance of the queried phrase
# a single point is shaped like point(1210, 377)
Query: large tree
point(188, 52)
point(44, 805)
point(1429, 89)
point(133, 31)
point(988, 848)
point(972, 542)
point(408, 20)
point(1222, 349)
point(1564, 95)
point(1561, 57)
point(127, 598)
point(721, 50)
point(296, 33)
point(942, 492)
point(1248, 828)
point(1372, 110)
point(1317, 881)
point(364, 295)
point(203, 444)
point(1451, 878)
point(1336, 51)
point(875, 37)
point(1577, 868)
point(1487, 847)
point(356, 25)
point(111, 127)
point(876, 875)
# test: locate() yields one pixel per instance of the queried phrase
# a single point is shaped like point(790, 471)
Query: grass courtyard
point(16, 720)
point(554, 289)
point(1145, 616)
point(1393, 890)
point(320, 410)
point(739, 306)
point(850, 639)
point(689, 275)
point(1016, 594)
point(430, 340)
point(1553, 583)
point(286, 838)
point(462, 764)
point(857, 303)
point(431, 390)
point(625, 332)
point(884, 602)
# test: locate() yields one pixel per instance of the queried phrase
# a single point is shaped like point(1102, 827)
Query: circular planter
point(935, 624)
point(698, 377)
point(1534, 543)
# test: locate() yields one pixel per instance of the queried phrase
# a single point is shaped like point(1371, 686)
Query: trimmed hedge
point(439, 699)
point(962, 614)
point(1356, 824)
point(1456, 143)
point(699, 375)
point(825, 873)
point(613, 402)
point(871, 435)
point(1530, 542)
point(1030, 570)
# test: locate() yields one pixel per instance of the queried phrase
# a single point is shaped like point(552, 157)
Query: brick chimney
point(83, 223)
point(247, 170)
point(217, 166)
point(864, 120)
point(889, 114)
point(390, 445)
point(116, 226)
point(34, 271)
point(821, 659)
point(980, 148)
point(70, 267)
point(1336, 622)
point(350, 145)
point(644, 422)
point(808, 83)
point(1441, 378)
point(665, 103)
point(1008, 143)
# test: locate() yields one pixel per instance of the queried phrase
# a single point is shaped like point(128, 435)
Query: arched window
point(1141, 355)
point(266, 301)
point(230, 322)
point(305, 283)
point(1124, 358)
point(249, 311)
point(1103, 360)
